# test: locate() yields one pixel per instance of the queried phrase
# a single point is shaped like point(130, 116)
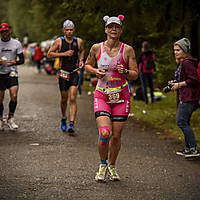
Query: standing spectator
point(11, 55)
point(188, 94)
point(146, 69)
point(198, 72)
point(38, 56)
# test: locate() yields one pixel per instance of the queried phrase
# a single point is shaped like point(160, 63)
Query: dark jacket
point(141, 61)
point(188, 73)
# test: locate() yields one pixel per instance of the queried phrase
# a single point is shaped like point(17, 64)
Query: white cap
point(68, 23)
point(115, 20)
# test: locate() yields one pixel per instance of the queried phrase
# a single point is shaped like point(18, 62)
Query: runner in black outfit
point(71, 53)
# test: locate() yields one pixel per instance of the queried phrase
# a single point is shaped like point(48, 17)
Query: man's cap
point(4, 27)
point(117, 20)
point(68, 23)
point(184, 44)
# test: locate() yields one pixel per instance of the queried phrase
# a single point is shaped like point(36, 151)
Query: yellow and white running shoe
point(113, 174)
point(101, 174)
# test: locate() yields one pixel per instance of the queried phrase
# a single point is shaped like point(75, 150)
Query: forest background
point(157, 21)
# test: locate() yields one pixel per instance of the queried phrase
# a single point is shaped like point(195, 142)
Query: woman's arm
point(91, 61)
point(130, 57)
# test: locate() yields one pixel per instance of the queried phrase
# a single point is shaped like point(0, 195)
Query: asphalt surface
point(39, 162)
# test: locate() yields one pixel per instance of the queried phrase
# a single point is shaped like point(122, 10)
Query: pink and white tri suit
point(112, 96)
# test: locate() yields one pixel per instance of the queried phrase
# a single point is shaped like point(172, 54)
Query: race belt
point(113, 95)
point(66, 75)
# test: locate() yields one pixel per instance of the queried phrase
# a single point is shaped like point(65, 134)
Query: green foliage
point(19, 16)
point(3, 11)
point(157, 21)
point(165, 65)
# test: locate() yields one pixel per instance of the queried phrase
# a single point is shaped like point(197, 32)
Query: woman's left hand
point(121, 68)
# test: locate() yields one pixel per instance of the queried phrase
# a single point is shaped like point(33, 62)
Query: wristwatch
point(126, 72)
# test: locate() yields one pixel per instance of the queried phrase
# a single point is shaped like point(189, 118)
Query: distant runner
point(71, 53)
point(11, 55)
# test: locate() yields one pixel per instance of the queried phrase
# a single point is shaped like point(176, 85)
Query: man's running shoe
point(193, 153)
point(11, 123)
point(101, 174)
point(71, 128)
point(1, 125)
point(63, 125)
point(113, 174)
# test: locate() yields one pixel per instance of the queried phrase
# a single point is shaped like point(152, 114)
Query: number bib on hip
point(114, 96)
point(13, 74)
point(64, 74)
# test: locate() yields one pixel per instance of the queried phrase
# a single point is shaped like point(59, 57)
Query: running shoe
point(113, 174)
point(193, 153)
point(71, 128)
point(1, 125)
point(11, 123)
point(183, 152)
point(63, 125)
point(101, 174)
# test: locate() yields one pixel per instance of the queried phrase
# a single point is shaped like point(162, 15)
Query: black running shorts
point(7, 82)
point(66, 84)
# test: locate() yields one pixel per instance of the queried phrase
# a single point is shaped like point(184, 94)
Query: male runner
point(71, 53)
point(11, 55)
point(116, 62)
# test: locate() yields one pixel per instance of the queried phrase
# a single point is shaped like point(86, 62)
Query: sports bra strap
point(99, 56)
point(122, 47)
point(102, 49)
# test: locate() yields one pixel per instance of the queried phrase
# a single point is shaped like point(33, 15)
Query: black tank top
point(69, 63)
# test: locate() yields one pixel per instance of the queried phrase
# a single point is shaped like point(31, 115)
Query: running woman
point(116, 63)
point(11, 55)
point(71, 53)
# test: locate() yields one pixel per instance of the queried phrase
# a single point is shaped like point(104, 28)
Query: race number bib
point(114, 96)
point(13, 74)
point(64, 74)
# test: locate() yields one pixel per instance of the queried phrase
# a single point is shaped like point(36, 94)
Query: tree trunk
point(194, 35)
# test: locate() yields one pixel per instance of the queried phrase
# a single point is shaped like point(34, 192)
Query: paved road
point(39, 162)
